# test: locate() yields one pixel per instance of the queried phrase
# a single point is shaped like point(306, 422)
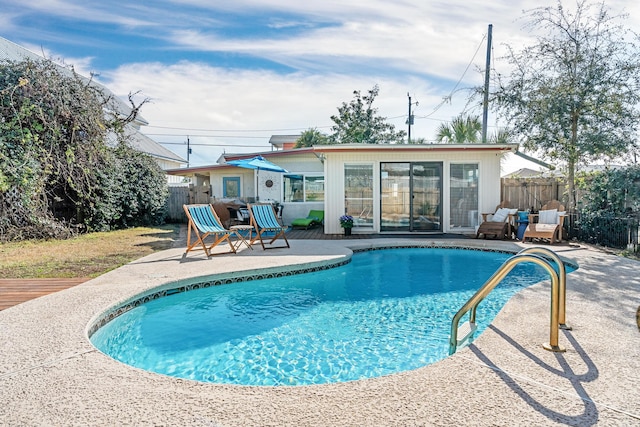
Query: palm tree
point(461, 130)
point(501, 136)
point(311, 137)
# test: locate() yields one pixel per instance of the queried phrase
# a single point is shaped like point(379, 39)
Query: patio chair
point(263, 218)
point(203, 221)
point(547, 223)
point(500, 224)
point(314, 218)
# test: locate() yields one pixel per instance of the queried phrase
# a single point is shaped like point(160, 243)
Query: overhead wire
point(445, 99)
point(455, 88)
point(234, 130)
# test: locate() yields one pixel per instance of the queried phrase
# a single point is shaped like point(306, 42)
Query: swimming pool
point(387, 311)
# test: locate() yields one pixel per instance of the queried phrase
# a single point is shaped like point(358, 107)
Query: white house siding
point(329, 161)
point(488, 180)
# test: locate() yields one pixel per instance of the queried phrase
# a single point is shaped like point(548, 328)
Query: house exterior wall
point(488, 181)
point(247, 182)
point(329, 163)
point(304, 164)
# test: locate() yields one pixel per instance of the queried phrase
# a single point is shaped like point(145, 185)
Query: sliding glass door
point(411, 196)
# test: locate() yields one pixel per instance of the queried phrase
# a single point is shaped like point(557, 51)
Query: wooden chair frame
point(551, 232)
point(500, 230)
point(204, 222)
point(264, 220)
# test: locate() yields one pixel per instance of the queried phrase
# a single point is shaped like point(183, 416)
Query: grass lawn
point(88, 255)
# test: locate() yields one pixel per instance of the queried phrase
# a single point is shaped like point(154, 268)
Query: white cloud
point(336, 47)
point(240, 107)
point(428, 38)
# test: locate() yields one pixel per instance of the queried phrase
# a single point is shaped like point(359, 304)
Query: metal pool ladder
point(558, 297)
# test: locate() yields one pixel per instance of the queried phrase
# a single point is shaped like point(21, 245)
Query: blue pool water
point(387, 311)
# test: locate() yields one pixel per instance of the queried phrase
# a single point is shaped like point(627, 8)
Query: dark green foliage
point(464, 129)
point(143, 188)
point(358, 123)
point(57, 173)
point(311, 137)
point(609, 215)
point(614, 191)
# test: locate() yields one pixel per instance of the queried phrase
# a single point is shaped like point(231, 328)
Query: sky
point(227, 75)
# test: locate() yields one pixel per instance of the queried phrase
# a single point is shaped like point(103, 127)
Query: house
point(283, 142)
point(421, 188)
point(165, 158)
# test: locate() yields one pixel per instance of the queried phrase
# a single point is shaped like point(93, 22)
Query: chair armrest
point(533, 217)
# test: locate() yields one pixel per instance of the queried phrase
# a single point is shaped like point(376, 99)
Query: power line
point(208, 136)
point(235, 130)
point(213, 144)
point(455, 88)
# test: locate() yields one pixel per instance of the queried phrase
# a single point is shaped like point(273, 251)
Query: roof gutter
point(534, 160)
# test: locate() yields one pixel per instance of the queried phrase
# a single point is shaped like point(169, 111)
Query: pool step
point(465, 331)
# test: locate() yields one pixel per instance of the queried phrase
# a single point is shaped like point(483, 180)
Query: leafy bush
point(58, 175)
point(611, 206)
point(612, 192)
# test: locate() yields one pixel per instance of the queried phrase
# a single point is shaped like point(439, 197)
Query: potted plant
point(346, 222)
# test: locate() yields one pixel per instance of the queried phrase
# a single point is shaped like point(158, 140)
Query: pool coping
point(50, 374)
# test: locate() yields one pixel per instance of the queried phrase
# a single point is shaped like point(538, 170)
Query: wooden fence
point(525, 193)
point(180, 195)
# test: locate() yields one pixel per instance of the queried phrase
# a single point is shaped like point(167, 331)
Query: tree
point(461, 130)
point(613, 191)
point(57, 172)
point(311, 137)
point(358, 123)
point(573, 95)
point(467, 129)
point(608, 197)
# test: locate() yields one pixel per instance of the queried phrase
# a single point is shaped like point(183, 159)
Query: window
point(231, 187)
point(464, 195)
point(314, 188)
point(303, 188)
point(358, 194)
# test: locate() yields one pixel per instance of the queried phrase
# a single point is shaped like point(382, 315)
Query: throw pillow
point(500, 215)
point(548, 217)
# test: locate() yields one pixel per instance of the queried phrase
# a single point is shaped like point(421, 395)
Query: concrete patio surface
point(51, 375)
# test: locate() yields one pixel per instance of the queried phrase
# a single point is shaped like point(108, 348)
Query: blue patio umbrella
point(258, 163)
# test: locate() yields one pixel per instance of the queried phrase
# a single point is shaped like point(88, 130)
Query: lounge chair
point(263, 218)
point(203, 221)
point(314, 218)
point(547, 223)
point(500, 224)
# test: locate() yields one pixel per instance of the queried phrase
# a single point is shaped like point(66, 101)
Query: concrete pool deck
point(50, 374)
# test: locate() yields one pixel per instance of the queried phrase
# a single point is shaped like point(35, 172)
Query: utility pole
point(485, 104)
point(410, 119)
point(188, 150)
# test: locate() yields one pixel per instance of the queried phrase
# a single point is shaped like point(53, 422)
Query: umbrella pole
point(257, 184)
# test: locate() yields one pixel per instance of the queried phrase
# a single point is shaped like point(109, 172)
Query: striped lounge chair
point(203, 222)
point(264, 220)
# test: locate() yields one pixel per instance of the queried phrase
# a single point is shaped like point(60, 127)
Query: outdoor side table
point(523, 222)
point(240, 232)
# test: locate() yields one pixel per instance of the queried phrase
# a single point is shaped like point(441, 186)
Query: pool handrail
point(562, 276)
point(492, 282)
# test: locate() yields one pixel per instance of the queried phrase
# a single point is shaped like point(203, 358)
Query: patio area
point(50, 374)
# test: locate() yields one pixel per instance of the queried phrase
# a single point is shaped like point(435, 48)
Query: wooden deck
point(16, 291)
